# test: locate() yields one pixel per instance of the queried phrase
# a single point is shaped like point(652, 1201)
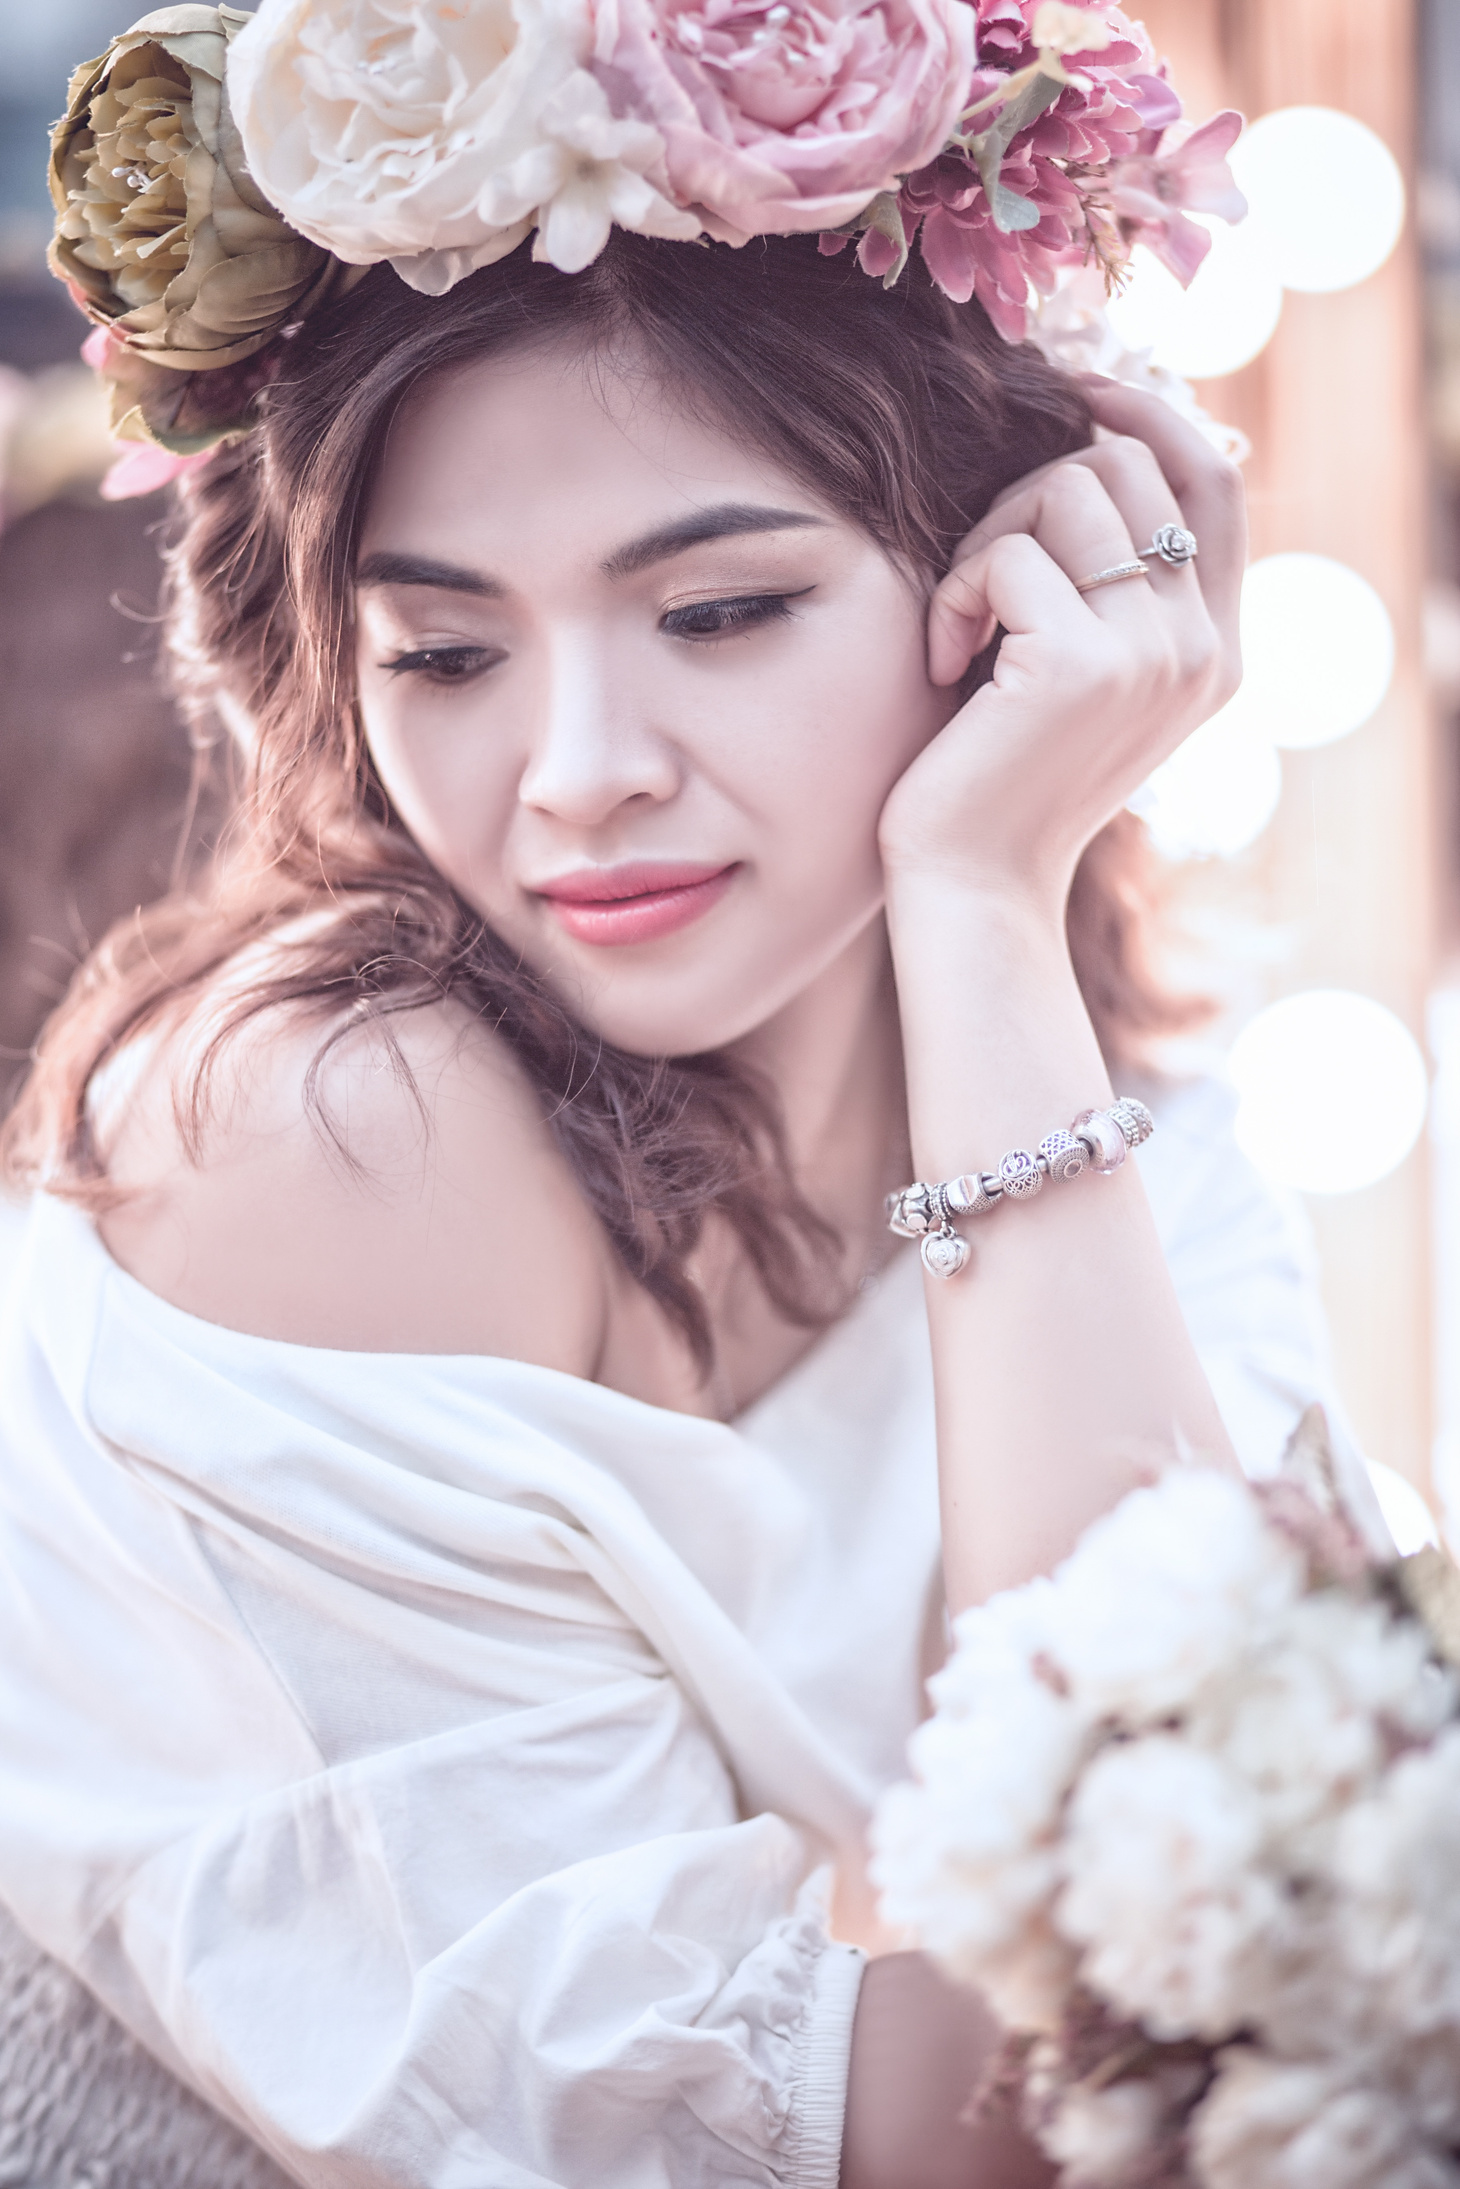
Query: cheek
point(827, 744)
point(435, 767)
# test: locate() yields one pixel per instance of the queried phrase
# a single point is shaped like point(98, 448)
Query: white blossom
point(1397, 1864)
point(1309, 1722)
point(1101, 2136)
point(1276, 2124)
point(965, 1857)
point(1176, 1584)
point(1163, 1889)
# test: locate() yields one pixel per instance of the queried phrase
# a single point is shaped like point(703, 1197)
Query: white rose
point(437, 137)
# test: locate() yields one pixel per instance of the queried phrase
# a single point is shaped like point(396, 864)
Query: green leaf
point(1010, 211)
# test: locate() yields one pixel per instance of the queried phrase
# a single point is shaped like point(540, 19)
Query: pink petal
point(142, 467)
point(876, 253)
point(1180, 245)
point(96, 349)
point(1156, 101)
point(1212, 190)
point(1213, 141)
point(950, 249)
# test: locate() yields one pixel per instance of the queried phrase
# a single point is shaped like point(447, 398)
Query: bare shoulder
point(392, 1190)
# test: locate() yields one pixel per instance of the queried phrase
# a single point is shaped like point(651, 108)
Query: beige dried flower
point(162, 235)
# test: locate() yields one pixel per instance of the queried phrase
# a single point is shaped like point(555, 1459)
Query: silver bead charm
point(1019, 1174)
point(969, 1196)
point(1063, 1155)
point(1134, 1120)
point(913, 1212)
point(1104, 1138)
point(944, 1253)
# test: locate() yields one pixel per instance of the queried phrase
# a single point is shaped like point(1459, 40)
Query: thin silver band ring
point(1112, 576)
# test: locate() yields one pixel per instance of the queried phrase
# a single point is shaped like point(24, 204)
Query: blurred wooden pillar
point(1346, 875)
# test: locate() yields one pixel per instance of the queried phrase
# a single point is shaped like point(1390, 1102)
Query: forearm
point(919, 2051)
point(1062, 1364)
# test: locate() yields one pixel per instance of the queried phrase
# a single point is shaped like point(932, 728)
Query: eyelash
point(460, 664)
point(734, 615)
point(444, 664)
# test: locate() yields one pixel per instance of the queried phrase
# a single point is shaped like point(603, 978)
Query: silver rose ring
point(1170, 543)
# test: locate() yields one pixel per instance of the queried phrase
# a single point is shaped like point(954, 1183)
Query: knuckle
point(1127, 448)
point(1223, 480)
point(1198, 651)
point(1074, 482)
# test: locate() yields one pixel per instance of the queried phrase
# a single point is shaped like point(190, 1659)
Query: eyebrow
point(725, 521)
point(446, 577)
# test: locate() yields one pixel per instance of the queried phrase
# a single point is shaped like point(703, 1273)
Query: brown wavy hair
point(904, 411)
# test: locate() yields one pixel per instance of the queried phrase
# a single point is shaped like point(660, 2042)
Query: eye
point(701, 619)
point(445, 664)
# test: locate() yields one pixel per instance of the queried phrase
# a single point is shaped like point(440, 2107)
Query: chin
point(672, 1018)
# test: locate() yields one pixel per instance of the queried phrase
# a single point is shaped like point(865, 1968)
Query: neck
point(835, 1058)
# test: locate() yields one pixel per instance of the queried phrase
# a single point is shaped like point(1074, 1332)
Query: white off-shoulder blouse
point(436, 1760)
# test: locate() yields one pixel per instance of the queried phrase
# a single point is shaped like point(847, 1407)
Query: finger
point(1072, 518)
point(1206, 484)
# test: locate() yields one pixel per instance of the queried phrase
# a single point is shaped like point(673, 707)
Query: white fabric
point(435, 1759)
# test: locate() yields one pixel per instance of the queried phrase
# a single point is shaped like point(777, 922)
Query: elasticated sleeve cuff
point(814, 2131)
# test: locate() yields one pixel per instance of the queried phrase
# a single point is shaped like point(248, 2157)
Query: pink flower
point(780, 117)
point(968, 255)
point(1152, 191)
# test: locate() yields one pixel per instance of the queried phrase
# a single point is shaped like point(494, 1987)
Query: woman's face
point(636, 693)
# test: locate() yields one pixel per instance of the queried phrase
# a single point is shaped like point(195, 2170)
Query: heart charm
point(944, 1253)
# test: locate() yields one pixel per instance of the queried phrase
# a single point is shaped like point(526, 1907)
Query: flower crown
point(218, 175)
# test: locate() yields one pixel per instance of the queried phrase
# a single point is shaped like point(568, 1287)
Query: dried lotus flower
point(162, 236)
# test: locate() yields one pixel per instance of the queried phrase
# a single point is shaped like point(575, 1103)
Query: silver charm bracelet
point(1099, 1140)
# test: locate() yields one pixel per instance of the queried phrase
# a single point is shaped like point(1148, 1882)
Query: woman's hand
point(1089, 691)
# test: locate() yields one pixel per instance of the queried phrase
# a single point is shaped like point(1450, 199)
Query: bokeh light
point(1332, 1091)
point(1317, 650)
point(1406, 1515)
point(1216, 794)
point(1219, 323)
point(1325, 193)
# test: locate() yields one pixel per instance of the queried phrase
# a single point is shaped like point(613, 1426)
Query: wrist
point(991, 932)
point(978, 896)
point(997, 1042)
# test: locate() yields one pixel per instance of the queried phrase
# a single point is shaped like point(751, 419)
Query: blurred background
point(1311, 833)
point(94, 767)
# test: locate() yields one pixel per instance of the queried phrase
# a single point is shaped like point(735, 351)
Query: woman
point(471, 1533)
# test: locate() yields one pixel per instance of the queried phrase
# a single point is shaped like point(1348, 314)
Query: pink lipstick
point(638, 902)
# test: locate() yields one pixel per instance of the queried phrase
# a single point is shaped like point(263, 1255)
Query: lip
point(635, 903)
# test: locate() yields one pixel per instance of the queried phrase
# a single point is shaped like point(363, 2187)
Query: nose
point(594, 748)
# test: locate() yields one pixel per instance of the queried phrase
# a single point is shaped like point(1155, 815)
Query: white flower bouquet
point(1188, 1813)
